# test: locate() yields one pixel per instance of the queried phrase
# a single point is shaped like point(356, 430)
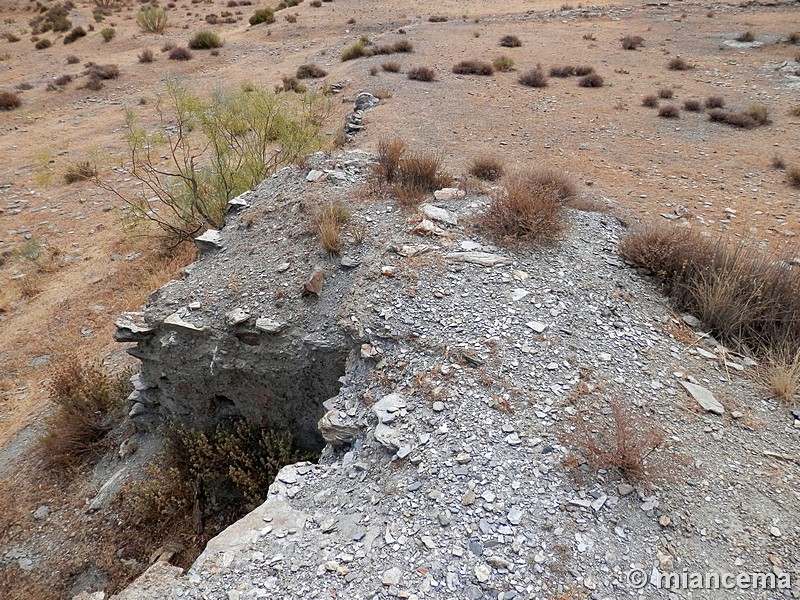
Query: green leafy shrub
point(262, 15)
point(152, 19)
point(224, 145)
point(205, 40)
point(108, 34)
point(503, 63)
point(43, 44)
point(75, 34)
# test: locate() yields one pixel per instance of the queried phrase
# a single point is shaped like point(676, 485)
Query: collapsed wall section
point(241, 336)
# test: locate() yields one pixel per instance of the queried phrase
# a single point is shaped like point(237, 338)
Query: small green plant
point(503, 63)
point(75, 34)
point(262, 15)
point(223, 146)
point(205, 40)
point(43, 44)
point(152, 19)
point(357, 49)
point(108, 34)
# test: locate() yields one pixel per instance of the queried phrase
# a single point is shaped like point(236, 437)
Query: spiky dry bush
point(310, 71)
point(81, 171)
point(146, 56)
point(693, 105)
point(742, 293)
point(488, 168)
point(793, 176)
point(591, 81)
point(666, 93)
point(179, 53)
point(391, 67)
point(715, 102)
point(623, 440)
point(780, 371)
point(632, 42)
point(86, 399)
point(473, 67)
point(733, 118)
point(422, 74)
point(529, 209)
point(678, 64)
point(564, 71)
point(510, 41)
point(670, 111)
point(535, 78)
point(747, 36)
point(650, 101)
point(9, 101)
point(583, 70)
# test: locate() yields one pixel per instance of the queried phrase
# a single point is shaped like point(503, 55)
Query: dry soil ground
point(87, 270)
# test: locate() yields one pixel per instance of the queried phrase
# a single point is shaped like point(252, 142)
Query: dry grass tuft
point(632, 42)
point(422, 74)
point(666, 93)
point(650, 101)
point(510, 41)
point(565, 71)
point(488, 168)
point(744, 295)
point(715, 102)
point(529, 210)
point(793, 176)
point(503, 63)
point(670, 111)
point(408, 175)
point(80, 172)
point(391, 67)
point(473, 67)
point(9, 101)
point(535, 78)
point(782, 374)
point(310, 71)
point(693, 105)
point(328, 222)
point(591, 81)
point(678, 64)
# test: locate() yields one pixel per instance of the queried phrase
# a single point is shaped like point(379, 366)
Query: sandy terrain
point(603, 137)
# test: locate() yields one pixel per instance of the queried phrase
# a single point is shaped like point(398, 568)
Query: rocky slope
point(449, 470)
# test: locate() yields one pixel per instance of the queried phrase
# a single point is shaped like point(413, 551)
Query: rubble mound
point(447, 374)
